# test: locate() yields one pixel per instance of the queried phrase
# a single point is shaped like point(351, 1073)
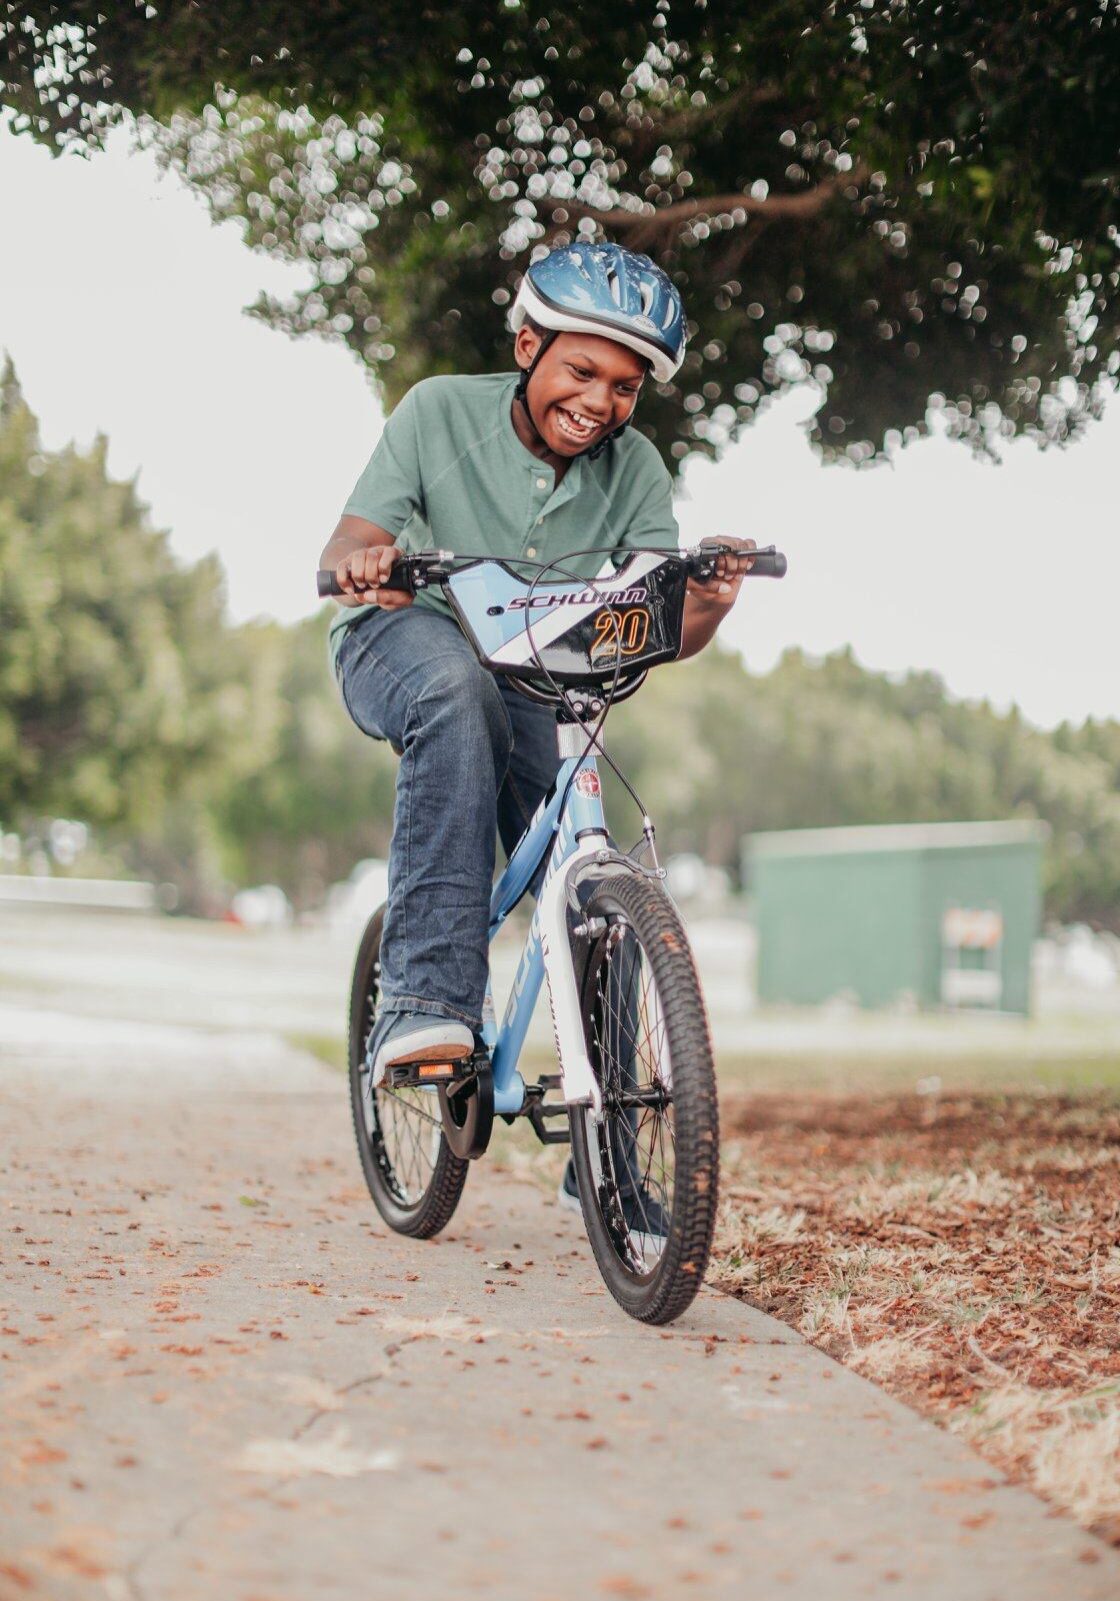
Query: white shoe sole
point(439, 1042)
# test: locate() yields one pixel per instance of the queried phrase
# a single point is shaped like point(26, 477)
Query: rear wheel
point(413, 1177)
point(648, 1169)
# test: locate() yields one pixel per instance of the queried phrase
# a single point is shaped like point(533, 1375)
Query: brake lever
point(407, 575)
point(766, 562)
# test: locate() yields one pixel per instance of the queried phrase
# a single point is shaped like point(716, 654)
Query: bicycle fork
point(578, 1083)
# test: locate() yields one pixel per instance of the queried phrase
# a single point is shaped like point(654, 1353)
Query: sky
point(122, 307)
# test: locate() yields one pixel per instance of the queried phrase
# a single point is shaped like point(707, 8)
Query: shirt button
point(540, 520)
point(532, 550)
point(542, 483)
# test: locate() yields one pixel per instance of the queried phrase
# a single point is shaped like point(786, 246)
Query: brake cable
point(562, 694)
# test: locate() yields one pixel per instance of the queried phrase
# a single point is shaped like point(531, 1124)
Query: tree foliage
point(213, 755)
point(204, 753)
point(828, 743)
point(120, 684)
point(896, 199)
point(321, 796)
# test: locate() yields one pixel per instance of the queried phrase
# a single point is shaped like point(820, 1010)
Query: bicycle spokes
point(410, 1135)
point(637, 1147)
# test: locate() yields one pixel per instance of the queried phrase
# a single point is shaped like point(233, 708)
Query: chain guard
point(467, 1109)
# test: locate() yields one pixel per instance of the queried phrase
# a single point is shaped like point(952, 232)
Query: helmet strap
point(597, 450)
point(521, 393)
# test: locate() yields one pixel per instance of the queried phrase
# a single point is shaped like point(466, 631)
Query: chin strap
point(521, 393)
point(597, 450)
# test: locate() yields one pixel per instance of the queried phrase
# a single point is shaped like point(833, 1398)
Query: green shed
point(940, 913)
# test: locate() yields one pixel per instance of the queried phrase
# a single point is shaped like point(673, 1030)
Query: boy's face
point(585, 387)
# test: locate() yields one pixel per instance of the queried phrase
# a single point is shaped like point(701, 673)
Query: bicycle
point(636, 1083)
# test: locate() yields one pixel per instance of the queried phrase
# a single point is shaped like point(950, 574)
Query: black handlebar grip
point(399, 578)
point(768, 564)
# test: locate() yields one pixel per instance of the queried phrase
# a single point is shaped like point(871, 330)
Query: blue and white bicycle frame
point(572, 817)
point(599, 636)
point(648, 1199)
point(516, 628)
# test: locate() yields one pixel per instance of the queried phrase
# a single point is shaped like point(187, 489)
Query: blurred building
point(930, 914)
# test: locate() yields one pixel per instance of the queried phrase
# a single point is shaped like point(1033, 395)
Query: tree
point(122, 690)
point(208, 754)
point(825, 744)
point(898, 199)
point(321, 797)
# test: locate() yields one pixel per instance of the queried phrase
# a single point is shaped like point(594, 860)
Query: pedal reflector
point(434, 1069)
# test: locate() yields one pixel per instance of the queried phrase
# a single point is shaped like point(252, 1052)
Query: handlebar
point(413, 572)
point(769, 562)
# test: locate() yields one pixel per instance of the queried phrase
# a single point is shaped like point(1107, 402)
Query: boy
point(532, 466)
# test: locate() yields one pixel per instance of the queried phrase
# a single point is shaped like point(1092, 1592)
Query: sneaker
point(418, 1037)
point(568, 1194)
point(648, 1222)
point(646, 1218)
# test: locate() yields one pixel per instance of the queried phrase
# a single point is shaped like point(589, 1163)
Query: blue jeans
point(476, 758)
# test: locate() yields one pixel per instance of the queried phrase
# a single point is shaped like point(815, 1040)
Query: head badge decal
point(587, 782)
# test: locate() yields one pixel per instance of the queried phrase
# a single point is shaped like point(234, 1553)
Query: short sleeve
point(652, 521)
point(390, 490)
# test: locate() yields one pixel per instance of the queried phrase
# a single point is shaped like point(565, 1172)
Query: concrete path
point(222, 1377)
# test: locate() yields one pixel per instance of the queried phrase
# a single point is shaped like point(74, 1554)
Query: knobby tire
point(413, 1177)
point(648, 930)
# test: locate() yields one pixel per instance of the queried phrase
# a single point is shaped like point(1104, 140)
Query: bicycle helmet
point(606, 290)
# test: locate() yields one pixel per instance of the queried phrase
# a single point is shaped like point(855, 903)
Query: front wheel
point(648, 1168)
point(413, 1176)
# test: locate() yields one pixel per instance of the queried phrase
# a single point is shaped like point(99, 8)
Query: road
point(222, 1376)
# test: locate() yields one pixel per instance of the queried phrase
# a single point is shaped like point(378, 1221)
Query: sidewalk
point(223, 1377)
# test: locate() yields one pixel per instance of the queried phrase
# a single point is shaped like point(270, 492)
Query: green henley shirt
point(449, 473)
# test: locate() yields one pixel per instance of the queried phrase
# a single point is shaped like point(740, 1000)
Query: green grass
point(326, 1048)
point(905, 1073)
point(844, 1073)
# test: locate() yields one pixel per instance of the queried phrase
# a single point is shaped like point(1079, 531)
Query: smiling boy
point(531, 465)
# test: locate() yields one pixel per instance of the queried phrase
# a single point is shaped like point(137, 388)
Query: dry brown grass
point(961, 1250)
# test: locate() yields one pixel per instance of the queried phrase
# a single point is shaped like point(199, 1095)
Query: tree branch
point(650, 222)
point(676, 129)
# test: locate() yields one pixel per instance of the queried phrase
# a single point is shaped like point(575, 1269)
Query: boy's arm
point(361, 550)
point(707, 603)
point(361, 554)
point(709, 600)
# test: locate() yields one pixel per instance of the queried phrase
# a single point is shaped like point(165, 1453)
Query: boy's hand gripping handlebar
point(769, 562)
point(416, 572)
point(409, 574)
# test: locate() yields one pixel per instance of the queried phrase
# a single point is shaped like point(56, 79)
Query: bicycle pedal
point(446, 1073)
point(411, 1075)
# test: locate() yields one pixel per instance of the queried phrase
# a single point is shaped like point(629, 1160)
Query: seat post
point(571, 738)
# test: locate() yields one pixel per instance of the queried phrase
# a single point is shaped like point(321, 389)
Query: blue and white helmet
point(606, 290)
